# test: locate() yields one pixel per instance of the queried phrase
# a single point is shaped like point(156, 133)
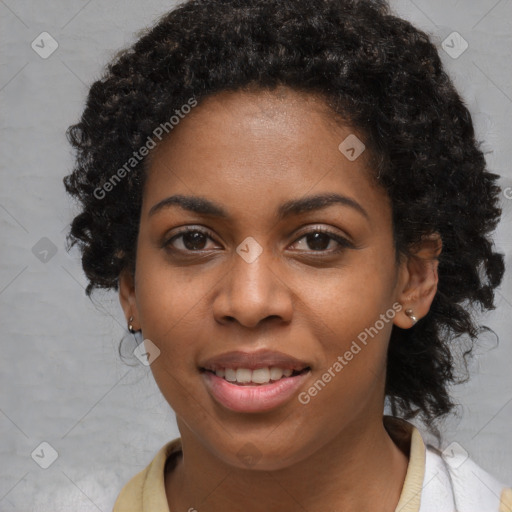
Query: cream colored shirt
point(434, 482)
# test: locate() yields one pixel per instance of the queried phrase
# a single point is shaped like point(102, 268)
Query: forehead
point(267, 144)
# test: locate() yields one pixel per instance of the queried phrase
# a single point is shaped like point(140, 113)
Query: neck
point(358, 469)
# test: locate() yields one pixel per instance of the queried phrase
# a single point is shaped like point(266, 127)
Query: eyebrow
point(204, 206)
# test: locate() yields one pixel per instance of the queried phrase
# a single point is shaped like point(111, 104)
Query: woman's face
point(266, 266)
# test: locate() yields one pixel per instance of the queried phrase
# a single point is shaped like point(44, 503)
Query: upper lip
point(252, 360)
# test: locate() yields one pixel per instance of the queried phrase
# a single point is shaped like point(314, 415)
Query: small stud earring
point(130, 326)
point(410, 314)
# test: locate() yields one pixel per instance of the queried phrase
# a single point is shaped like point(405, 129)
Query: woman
point(290, 201)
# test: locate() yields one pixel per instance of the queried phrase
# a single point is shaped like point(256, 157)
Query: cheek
point(350, 311)
point(168, 303)
point(166, 295)
point(352, 297)
point(352, 330)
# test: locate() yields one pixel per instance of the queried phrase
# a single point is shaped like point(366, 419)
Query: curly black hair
point(377, 72)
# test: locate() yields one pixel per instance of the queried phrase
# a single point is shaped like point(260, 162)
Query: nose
point(253, 293)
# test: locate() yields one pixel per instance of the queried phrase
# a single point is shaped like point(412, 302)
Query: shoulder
point(130, 497)
point(453, 479)
point(146, 490)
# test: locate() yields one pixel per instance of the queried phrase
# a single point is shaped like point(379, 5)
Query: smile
point(257, 390)
point(259, 376)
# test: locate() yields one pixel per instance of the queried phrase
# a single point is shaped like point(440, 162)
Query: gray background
point(62, 381)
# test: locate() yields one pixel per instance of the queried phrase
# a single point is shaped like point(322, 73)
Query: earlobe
point(127, 298)
point(419, 285)
point(411, 315)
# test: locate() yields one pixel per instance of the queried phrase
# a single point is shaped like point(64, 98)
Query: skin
point(250, 152)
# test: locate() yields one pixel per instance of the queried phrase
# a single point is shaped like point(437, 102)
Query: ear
point(419, 278)
point(127, 297)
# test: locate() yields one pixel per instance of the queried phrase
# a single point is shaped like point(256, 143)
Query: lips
point(254, 360)
point(253, 381)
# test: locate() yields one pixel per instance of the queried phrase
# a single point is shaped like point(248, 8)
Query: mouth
point(253, 382)
point(256, 377)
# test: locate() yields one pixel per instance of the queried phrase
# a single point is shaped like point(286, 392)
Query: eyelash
point(343, 242)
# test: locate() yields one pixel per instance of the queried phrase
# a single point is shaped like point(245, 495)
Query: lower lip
point(257, 398)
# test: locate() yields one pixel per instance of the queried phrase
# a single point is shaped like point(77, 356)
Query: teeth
point(243, 375)
point(276, 373)
point(230, 375)
point(261, 375)
point(258, 376)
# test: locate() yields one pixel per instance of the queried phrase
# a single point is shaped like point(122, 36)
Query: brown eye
point(318, 241)
point(194, 240)
point(189, 240)
point(321, 240)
